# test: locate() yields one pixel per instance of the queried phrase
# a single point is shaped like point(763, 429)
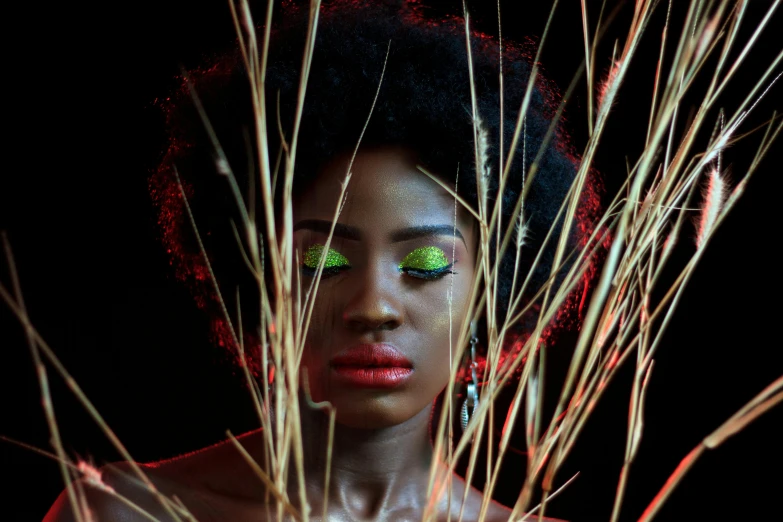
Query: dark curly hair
point(424, 104)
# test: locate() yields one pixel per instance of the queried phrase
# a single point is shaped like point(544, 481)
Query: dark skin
point(382, 450)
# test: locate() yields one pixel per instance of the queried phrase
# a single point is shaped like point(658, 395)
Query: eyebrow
point(405, 234)
point(322, 226)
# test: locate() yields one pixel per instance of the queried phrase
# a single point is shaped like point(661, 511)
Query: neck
point(370, 469)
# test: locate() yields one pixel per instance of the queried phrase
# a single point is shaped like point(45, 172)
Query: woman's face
point(378, 343)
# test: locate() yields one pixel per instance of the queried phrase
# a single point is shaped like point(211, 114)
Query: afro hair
point(424, 104)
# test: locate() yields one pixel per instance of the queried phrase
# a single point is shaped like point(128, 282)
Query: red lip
point(372, 366)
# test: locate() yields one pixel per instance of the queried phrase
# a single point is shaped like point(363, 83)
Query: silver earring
point(470, 403)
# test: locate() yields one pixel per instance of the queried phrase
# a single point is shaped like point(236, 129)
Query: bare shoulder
point(499, 512)
point(495, 512)
point(210, 483)
point(220, 469)
point(113, 492)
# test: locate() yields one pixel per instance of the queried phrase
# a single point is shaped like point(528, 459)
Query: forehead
point(386, 191)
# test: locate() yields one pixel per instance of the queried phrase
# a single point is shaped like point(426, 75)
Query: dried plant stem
point(43, 380)
point(768, 398)
point(624, 317)
point(332, 412)
point(268, 482)
point(588, 68)
point(47, 352)
point(255, 393)
point(553, 495)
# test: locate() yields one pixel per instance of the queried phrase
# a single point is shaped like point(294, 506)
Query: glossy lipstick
point(372, 366)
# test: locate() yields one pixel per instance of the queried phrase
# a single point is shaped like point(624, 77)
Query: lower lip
point(372, 377)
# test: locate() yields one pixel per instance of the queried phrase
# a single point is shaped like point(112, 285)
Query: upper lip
point(379, 355)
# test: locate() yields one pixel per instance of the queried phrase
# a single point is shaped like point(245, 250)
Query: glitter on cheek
point(425, 258)
point(334, 259)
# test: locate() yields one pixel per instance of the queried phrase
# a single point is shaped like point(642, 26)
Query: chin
point(372, 413)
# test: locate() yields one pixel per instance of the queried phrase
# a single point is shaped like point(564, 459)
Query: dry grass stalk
point(622, 321)
point(43, 380)
point(769, 397)
point(40, 347)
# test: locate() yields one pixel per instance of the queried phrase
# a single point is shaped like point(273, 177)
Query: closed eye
point(334, 263)
point(428, 274)
point(426, 263)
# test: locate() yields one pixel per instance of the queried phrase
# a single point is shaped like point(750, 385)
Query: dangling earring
point(471, 401)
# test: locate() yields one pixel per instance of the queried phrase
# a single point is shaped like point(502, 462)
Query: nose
point(376, 303)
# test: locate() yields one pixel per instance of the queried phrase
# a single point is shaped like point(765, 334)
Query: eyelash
point(429, 274)
point(328, 271)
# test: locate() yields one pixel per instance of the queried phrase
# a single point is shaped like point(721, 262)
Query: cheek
point(461, 304)
point(323, 315)
point(460, 300)
point(322, 325)
point(434, 317)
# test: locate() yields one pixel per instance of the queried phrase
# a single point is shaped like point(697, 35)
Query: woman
point(380, 340)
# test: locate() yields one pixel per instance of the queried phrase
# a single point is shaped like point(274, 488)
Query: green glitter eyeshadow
point(425, 258)
point(334, 259)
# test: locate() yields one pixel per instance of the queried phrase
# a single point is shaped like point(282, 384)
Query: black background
point(82, 133)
